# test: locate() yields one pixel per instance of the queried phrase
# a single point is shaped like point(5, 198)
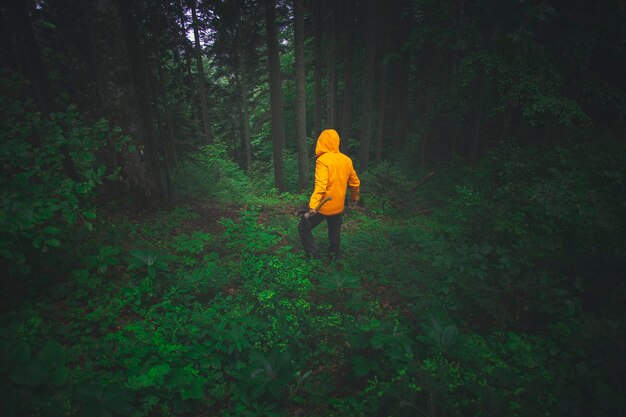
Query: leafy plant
point(336, 281)
point(192, 244)
point(22, 373)
point(107, 256)
point(270, 374)
point(210, 173)
point(152, 260)
point(445, 338)
point(247, 234)
point(43, 199)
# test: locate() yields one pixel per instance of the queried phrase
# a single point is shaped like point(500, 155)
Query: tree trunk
point(303, 164)
point(346, 110)
point(159, 121)
point(317, 40)
point(167, 110)
point(201, 80)
point(245, 114)
point(141, 103)
point(276, 95)
point(331, 74)
point(381, 107)
point(401, 103)
point(5, 37)
point(29, 55)
point(368, 85)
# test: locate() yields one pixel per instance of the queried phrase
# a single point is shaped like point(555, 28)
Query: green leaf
point(90, 214)
point(53, 242)
point(52, 230)
point(83, 188)
point(71, 217)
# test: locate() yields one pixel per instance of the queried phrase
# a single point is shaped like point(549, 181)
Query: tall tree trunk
point(276, 95)
point(201, 80)
point(167, 110)
point(401, 103)
point(381, 107)
point(245, 114)
point(426, 128)
point(139, 88)
point(346, 110)
point(331, 74)
point(317, 75)
point(29, 55)
point(368, 84)
point(6, 38)
point(159, 121)
point(303, 163)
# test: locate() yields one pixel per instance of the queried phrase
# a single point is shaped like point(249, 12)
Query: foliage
point(239, 323)
point(25, 377)
point(497, 289)
point(49, 177)
point(247, 234)
point(209, 172)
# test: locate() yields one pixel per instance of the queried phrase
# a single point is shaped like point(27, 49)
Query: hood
point(328, 141)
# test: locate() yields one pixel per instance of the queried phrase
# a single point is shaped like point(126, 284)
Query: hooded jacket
point(334, 173)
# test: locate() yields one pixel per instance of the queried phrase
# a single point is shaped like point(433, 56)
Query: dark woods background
point(490, 138)
point(417, 82)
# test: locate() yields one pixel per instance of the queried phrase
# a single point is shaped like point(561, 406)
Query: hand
point(310, 213)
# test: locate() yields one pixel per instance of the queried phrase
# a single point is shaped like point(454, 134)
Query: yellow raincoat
point(333, 174)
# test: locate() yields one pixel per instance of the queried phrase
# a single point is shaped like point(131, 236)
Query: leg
point(308, 241)
point(334, 235)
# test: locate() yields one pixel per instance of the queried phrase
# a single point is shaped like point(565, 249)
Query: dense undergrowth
point(506, 300)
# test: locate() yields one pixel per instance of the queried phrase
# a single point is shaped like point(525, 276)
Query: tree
point(382, 101)
point(317, 75)
point(346, 108)
point(303, 165)
point(201, 80)
point(276, 95)
point(140, 87)
point(331, 73)
point(368, 84)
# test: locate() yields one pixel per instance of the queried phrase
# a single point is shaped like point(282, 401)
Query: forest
point(156, 157)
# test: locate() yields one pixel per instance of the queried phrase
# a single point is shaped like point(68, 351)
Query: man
point(333, 174)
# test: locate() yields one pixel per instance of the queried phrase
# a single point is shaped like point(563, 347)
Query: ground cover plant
point(473, 309)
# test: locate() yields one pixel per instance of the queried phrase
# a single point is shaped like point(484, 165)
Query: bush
point(210, 174)
point(49, 175)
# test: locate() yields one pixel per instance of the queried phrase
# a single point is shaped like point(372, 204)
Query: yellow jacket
point(333, 174)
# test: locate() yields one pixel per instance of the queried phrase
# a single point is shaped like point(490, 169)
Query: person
point(334, 173)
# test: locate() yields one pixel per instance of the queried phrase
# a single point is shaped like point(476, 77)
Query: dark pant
point(334, 231)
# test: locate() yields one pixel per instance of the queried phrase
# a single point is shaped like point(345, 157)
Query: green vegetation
point(493, 304)
point(154, 157)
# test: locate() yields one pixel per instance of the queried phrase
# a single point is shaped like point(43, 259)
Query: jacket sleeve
point(321, 181)
point(354, 183)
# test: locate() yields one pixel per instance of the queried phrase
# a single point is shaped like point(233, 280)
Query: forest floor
point(207, 308)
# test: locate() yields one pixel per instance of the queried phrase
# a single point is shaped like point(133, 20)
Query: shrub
point(50, 173)
point(210, 174)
